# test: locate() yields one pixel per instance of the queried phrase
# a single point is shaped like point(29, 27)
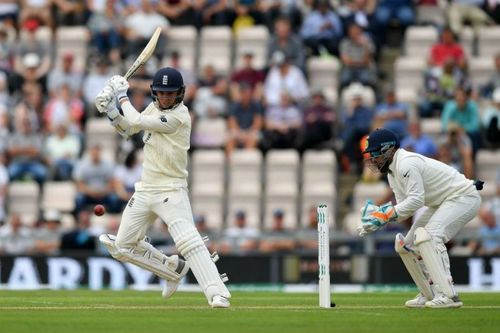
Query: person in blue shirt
point(418, 142)
point(392, 114)
point(322, 28)
point(463, 111)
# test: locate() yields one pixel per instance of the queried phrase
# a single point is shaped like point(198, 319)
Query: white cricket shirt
point(419, 181)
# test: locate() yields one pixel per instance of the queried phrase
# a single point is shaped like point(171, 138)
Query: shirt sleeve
point(413, 188)
point(164, 123)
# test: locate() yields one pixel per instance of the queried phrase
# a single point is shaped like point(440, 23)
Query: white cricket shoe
point(220, 302)
point(443, 301)
point(171, 286)
point(417, 302)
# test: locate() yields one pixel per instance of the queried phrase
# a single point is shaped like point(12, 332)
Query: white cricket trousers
point(445, 221)
point(143, 208)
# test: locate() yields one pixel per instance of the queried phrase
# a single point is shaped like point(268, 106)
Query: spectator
point(494, 81)
point(446, 48)
point(126, 176)
point(389, 10)
point(80, 238)
point(284, 78)
point(462, 11)
point(357, 123)
point(94, 179)
point(4, 128)
point(418, 142)
point(61, 152)
point(244, 122)
point(24, 151)
point(440, 85)
point(319, 119)
point(212, 12)
point(211, 100)
point(358, 12)
point(307, 237)
point(392, 115)
point(322, 28)
point(64, 107)
point(32, 60)
point(282, 8)
point(140, 25)
point(65, 75)
point(48, 235)
point(104, 24)
point(178, 12)
point(239, 238)
point(463, 111)
point(249, 75)
point(9, 11)
point(15, 238)
point(278, 239)
point(288, 43)
point(4, 183)
point(36, 12)
point(94, 82)
point(188, 75)
point(248, 13)
point(455, 149)
point(201, 224)
point(488, 238)
point(6, 50)
point(30, 107)
point(69, 12)
point(356, 54)
point(283, 124)
point(492, 8)
point(491, 119)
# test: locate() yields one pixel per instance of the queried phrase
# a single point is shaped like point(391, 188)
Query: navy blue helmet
point(379, 148)
point(380, 140)
point(168, 79)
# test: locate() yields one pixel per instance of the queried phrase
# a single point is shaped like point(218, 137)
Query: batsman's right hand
point(105, 100)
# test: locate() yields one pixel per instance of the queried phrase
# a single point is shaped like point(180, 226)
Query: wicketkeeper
point(451, 200)
point(162, 190)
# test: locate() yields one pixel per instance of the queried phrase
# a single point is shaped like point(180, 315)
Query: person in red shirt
point(448, 47)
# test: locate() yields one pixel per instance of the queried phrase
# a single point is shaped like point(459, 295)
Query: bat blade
point(146, 53)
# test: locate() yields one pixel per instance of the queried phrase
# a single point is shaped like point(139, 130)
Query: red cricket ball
point(99, 210)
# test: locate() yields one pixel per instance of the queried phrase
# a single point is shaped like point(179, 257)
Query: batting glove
point(105, 100)
point(119, 86)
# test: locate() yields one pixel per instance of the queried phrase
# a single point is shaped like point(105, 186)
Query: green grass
point(136, 311)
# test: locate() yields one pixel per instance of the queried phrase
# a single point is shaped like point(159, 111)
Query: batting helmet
point(168, 79)
point(379, 149)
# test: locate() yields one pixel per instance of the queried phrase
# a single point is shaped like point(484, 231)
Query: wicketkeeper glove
point(374, 217)
point(119, 85)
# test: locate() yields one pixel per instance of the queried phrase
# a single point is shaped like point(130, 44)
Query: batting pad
point(412, 263)
point(190, 244)
point(146, 256)
point(436, 260)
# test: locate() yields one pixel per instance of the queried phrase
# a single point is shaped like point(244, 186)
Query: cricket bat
point(145, 54)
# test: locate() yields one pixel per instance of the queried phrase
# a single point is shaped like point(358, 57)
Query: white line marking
point(234, 307)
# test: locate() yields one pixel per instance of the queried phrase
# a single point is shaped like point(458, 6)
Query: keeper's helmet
point(379, 148)
point(168, 79)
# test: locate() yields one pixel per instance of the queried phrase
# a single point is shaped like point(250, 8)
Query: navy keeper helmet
point(379, 148)
point(168, 79)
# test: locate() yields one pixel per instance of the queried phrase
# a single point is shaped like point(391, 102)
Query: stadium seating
point(74, 40)
point(281, 186)
point(245, 186)
point(253, 39)
point(488, 41)
point(215, 48)
point(419, 39)
point(319, 173)
point(209, 133)
point(481, 69)
point(207, 189)
point(183, 39)
point(23, 199)
point(323, 72)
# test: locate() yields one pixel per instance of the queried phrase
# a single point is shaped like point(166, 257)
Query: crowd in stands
point(46, 99)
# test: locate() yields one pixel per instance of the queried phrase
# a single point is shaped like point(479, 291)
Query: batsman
point(451, 200)
point(162, 190)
